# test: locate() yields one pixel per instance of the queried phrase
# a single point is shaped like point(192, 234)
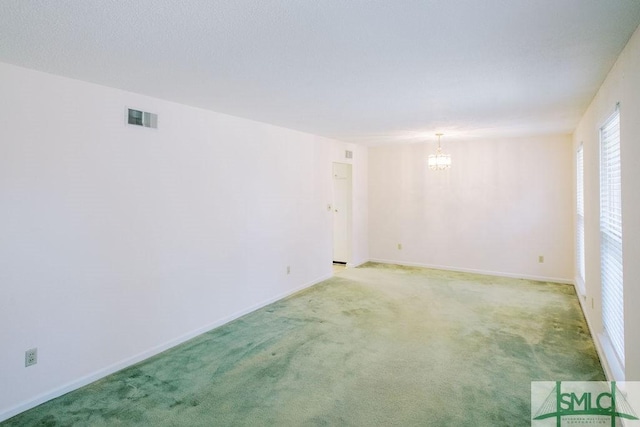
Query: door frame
point(349, 213)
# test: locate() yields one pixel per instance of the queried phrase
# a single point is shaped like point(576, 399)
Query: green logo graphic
point(605, 400)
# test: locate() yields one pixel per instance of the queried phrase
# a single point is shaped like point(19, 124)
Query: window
point(580, 214)
point(611, 234)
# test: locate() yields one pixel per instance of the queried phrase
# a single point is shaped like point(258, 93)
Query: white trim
point(594, 336)
point(475, 271)
point(353, 265)
point(581, 290)
point(611, 239)
point(118, 366)
point(609, 359)
point(579, 229)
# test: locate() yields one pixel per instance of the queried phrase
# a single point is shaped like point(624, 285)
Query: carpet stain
point(376, 345)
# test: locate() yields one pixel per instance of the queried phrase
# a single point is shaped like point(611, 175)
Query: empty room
point(300, 213)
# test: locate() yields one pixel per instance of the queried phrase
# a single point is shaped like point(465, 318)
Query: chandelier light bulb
point(439, 161)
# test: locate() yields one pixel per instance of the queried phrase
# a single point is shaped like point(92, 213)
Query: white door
point(341, 212)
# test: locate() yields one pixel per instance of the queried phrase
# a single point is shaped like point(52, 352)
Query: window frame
point(611, 272)
point(580, 230)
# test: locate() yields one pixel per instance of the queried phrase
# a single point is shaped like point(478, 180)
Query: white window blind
point(580, 212)
point(611, 234)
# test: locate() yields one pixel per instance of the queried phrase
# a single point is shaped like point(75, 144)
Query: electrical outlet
point(288, 269)
point(400, 246)
point(30, 357)
point(540, 259)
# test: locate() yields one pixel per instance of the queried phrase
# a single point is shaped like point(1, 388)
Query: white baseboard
point(595, 336)
point(353, 265)
point(476, 271)
point(118, 366)
point(580, 288)
point(613, 369)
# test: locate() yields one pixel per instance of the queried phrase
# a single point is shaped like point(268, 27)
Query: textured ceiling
point(362, 71)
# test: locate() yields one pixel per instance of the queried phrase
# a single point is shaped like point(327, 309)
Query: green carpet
point(377, 345)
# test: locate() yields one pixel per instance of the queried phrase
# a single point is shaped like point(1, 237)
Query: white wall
point(621, 85)
point(118, 241)
point(360, 206)
point(501, 205)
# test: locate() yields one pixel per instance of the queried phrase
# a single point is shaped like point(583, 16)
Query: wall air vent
point(142, 118)
point(348, 154)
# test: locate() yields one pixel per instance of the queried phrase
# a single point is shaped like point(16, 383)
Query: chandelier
point(439, 161)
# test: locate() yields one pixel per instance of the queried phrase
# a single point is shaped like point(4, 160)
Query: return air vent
point(348, 154)
point(142, 118)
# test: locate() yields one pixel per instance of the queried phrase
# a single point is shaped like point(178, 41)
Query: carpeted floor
point(377, 345)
